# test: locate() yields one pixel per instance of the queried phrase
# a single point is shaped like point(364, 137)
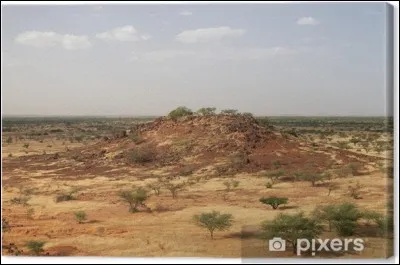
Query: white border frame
point(107, 260)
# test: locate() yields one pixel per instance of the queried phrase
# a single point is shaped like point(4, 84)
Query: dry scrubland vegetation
point(194, 184)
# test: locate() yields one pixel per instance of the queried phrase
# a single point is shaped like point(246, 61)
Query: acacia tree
point(207, 111)
point(229, 111)
point(274, 201)
point(180, 112)
point(135, 198)
point(174, 188)
point(214, 221)
point(314, 177)
point(291, 228)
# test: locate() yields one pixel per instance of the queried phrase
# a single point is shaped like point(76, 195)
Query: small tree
point(275, 175)
point(355, 190)
point(229, 111)
point(80, 216)
point(274, 201)
point(366, 146)
point(291, 228)
point(231, 184)
point(345, 217)
point(156, 187)
point(214, 221)
point(325, 213)
point(332, 186)
point(314, 177)
point(135, 198)
point(206, 111)
point(35, 246)
point(175, 188)
point(180, 112)
point(142, 154)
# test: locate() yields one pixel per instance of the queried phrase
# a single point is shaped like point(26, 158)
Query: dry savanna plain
point(195, 184)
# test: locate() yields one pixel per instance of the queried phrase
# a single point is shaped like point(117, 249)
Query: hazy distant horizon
point(306, 60)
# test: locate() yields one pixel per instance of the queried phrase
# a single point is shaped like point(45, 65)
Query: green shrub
point(180, 112)
point(274, 201)
point(213, 221)
point(134, 198)
point(80, 216)
point(142, 154)
point(229, 111)
point(291, 228)
point(206, 111)
point(35, 246)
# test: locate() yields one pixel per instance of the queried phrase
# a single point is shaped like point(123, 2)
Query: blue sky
point(284, 59)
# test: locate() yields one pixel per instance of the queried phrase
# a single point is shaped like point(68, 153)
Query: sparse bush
point(26, 145)
point(142, 154)
point(206, 111)
point(180, 112)
point(135, 198)
point(274, 202)
point(268, 185)
point(291, 228)
point(343, 172)
point(276, 164)
point(80, 216)
point(156, 187)
point(5, 226)
point(229, 111)
point(275, 175)
point(314, 177)
point(343, 145)
point(331, 187)
point(67, 196)
point(231, 184)
point(174, 188)
point(214, 221)
point(64, 197)
point(248, 114)
point(10, 155)
point(136, 138)
point(355, 190)
point(9, 140)
point(385, 224)
point(345, 217)
point(366, 146)
point(35, 246)
point(325, 213)
point(29, 213)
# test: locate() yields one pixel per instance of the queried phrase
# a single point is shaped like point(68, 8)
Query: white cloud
point(208, 34)
point(72, 42)
point(50, 39)
point(185, 13)
point(307, 21)
point(125, 33)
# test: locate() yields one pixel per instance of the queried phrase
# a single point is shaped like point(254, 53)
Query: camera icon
point(277, 244)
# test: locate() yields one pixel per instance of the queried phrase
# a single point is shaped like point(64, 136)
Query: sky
point(267, 59)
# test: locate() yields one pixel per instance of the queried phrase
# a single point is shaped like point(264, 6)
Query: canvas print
point(248, 131)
